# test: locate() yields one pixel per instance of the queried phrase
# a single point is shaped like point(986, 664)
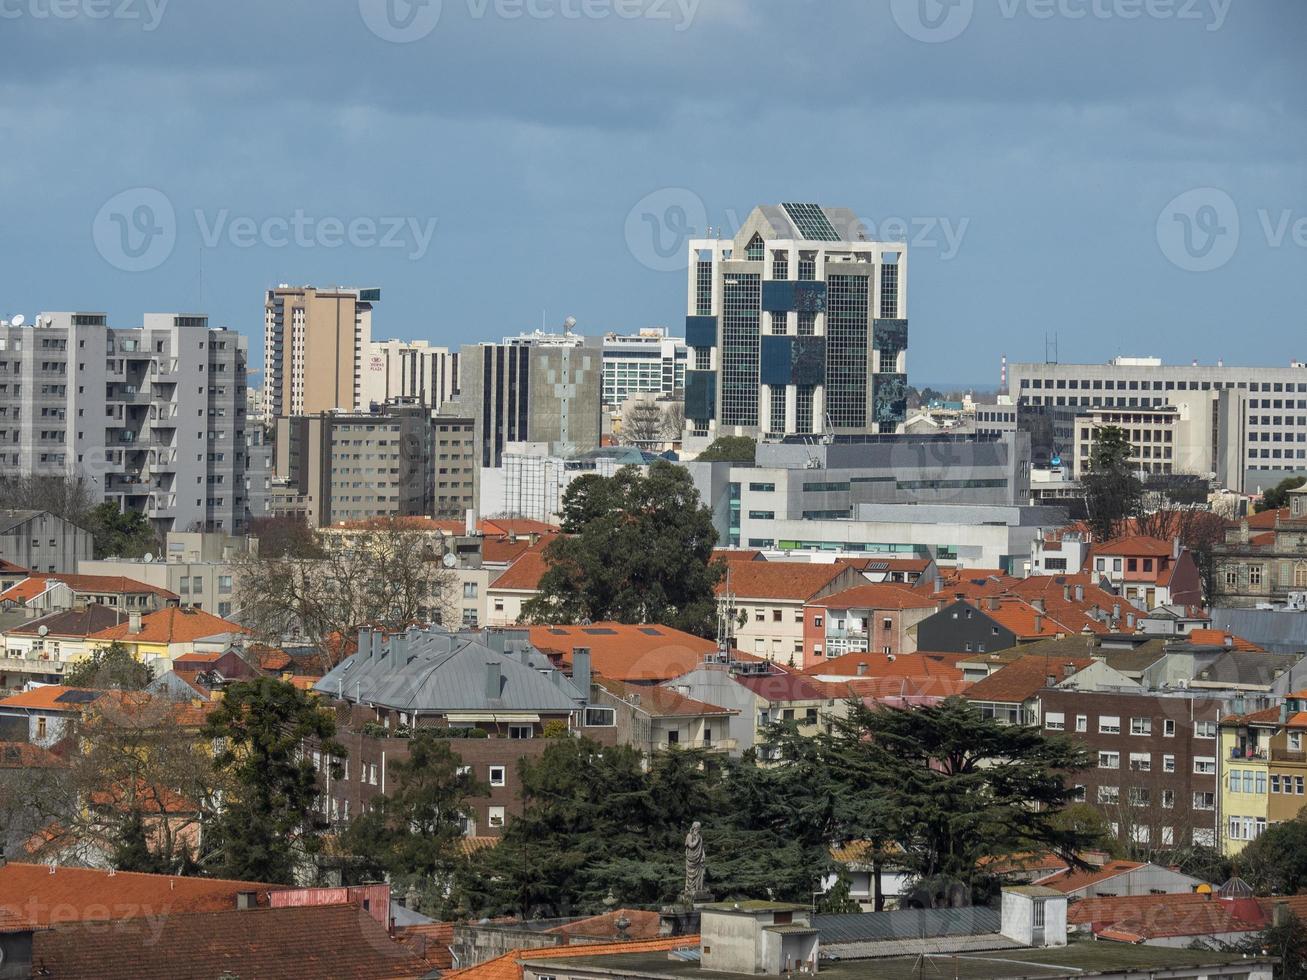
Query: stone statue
point(695, 863)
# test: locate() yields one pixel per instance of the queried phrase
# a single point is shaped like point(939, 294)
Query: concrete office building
point(1250, 423)
point(959, 500)
point(531, 481)
point(414, 370)
point(533, 388)
point(1169, 439)
point(456, 466)
point(314, 345)
point(648, 361)
point(797, 325)
point(349, 466)
point(152, 417)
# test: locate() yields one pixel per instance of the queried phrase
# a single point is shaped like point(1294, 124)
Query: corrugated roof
point(906, 924)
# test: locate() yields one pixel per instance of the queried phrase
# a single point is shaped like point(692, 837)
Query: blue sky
point(1127, 174)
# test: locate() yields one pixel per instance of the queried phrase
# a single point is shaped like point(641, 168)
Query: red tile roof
point(1021, 679)
point(785, 687)
point(1218, 638)
point(339, 941)
point(98, 584)
point(661, 702)
point(9, 568)
point(429, 940)
point(509, 966)
point(46, 698)
point(866, 664)
point(73, 622)
point(1267, 519)
point(172, 625)
point(737, 554)
point(643, 925)
point(77, 894)
point(1136, 918)
point(24, 755)
point(625, 652)
point(795, 581)
point(1074, 879)
point(524, 574)
point(881, 595)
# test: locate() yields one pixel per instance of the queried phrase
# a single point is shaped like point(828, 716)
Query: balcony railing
point(1288, 755)
point(1247, 754)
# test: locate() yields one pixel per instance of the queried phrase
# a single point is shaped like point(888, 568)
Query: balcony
point(716, 745)
point(1247, 754)
point(1288, 755)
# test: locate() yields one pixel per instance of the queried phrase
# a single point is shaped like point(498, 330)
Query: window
point(1168, 728)
point(1082, 723)
point(1204, 729)
point(600, 717)
point(1141, 726)
point(41, 729)
point(1141, 762)
point(1295, 741)
point(469, 590)
point(1204, 801)
point(497, 776)
point(1168, 763)
point(1109, 794)
point(1140, 796)
point(520, 731)
point(1205, 765)
point(1055, 721)
point(1168, 799)
point(1109, 760)
point(1109, 724)
point(495, 816)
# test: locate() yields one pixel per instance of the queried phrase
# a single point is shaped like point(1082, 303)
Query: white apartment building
point(1248, 424)
point(648, 361)
point(412, 370)
point(797, 325)
point(153, 418)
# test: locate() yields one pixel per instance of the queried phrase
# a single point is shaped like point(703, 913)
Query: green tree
point(120, 534)
point(269, 822)
point(1278, 495)
point(111, 668)
point(1287, 942)
point(1276, 862)
point(413, 833)
point(285, 537)
point(638, 549)
point(729, 449)
point(953, 786)
point(1113, 491)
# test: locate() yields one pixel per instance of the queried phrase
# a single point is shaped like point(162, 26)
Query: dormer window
point(755, 251)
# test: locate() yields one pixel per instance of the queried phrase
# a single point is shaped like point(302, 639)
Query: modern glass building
point(796, 326)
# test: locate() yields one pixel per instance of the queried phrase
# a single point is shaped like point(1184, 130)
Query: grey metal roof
point(10, 519)
point(864, 927)
point(1245, 667)
point(433, 671)
point(1275, 630)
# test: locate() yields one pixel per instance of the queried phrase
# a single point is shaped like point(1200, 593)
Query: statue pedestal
point(678, 920)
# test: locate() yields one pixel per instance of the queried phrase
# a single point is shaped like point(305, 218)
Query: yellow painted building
point(1263, 770)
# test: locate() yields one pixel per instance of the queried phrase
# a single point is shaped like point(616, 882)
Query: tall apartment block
point(153, 418)
point(796, 326)
point(533, 388)
point(643, 362)
point(315, 342)
point(414, 371)
point(1245, 427)
point(348, 466)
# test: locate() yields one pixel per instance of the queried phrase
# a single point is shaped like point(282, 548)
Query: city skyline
point(1076, 189)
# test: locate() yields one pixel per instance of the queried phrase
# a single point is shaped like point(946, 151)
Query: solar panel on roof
point(599, 631)
point(811, 222)
point(78, 697)
point(650, 631)
point(557, 632)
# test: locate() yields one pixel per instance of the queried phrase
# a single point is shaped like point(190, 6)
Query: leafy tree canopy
point(111, 668)
point(1276, 862)
point(1278, 495)
point(120, 534)
point(638, 549)
point(729, 449)
point(1113, 492)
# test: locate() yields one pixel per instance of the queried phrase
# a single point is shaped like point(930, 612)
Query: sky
point(1125, 175)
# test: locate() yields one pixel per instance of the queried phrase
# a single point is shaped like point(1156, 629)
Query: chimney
point(1243, 531)
point(939, 583)
point(994, 603)
point(1038, 603)
point(1228, 641)
point(470, 522)
point(1175, 547)
point(1130, 620)
point(494, 679)
point(1039, 623)
point(365, 644)
point(862, 669)
point(581, 671)
point(1116, 610)
point(133, 622)
point(1080, 593)
point(1066, 593)
point(1281, 916)
point(246, 901)
point(1068, 669)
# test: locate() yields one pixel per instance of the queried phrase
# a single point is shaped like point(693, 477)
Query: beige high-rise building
point(315, 342)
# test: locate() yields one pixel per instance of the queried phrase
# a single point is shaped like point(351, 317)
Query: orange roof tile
point(77, 894)
point(1267, 519)
point(624, 652)
point(524, 574)
point(1074, 879)
point(106, 584)
point(796, 581)
point(24, 755)
point(880, 595)
point(1022, 678)
point(171, 625)
point(47, 698)
point(509, 966)
point(1133, 545)
point(643, 925)
point(661, 702)
point(1218, 638)
point(866, 664)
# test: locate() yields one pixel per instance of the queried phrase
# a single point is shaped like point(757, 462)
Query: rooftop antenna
point(726, 620)
point(1050, 349)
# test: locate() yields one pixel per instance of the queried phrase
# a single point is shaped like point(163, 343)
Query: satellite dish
point(18, 320)
point(148, 558)
point(42, 631)
point(449, 560)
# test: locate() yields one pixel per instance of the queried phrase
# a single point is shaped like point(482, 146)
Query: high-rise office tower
point(798, 325)
point(315, 342)
point(152, 418)
point(534, 388)
point(646, 362)
point(412, 370)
